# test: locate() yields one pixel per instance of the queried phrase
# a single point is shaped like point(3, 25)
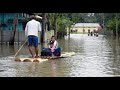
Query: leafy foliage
point(60, 21)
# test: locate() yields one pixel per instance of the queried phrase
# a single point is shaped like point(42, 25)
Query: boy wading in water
point(31, 31)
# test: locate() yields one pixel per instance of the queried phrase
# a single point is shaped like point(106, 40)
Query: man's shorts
point(32, 40)
point(57, 52)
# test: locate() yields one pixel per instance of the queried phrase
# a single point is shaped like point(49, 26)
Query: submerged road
point(95, 57)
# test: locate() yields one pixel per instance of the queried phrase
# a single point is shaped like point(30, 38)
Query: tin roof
point(87, 25)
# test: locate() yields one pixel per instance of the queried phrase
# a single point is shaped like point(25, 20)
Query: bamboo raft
point(63, 55)
point(30, 59)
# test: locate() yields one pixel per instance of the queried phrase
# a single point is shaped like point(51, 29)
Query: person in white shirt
point(55, 44)
point(55, 50)
point(31, 31)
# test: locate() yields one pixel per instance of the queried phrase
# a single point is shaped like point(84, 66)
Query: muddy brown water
point(95, 57)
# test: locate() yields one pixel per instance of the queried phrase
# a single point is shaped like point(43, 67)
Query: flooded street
point(95, 57)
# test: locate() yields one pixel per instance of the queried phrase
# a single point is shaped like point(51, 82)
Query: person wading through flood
point(31, 31)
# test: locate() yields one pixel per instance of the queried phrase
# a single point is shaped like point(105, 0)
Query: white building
point(85, 27)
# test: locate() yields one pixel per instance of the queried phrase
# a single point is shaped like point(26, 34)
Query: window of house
point(88, 30)
point(94, 30)
point(83, 30)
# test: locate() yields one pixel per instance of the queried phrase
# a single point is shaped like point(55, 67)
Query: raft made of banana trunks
point(63, 55)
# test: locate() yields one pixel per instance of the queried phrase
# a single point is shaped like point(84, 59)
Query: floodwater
point(95, 57)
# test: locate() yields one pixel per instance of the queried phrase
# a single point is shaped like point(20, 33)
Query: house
point(6, 23)
point(85, 27)
point(6, 20)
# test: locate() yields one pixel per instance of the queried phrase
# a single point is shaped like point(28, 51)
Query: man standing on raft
point(31, 31)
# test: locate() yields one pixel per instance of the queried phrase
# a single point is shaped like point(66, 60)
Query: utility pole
point(43, 30)
point(116, 19)
point(103, 24)
point(14, 27)
point(55, 26)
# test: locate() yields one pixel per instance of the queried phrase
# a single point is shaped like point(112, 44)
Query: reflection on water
point(95, 57)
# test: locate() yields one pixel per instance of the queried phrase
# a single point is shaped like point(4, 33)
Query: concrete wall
point(48, 34)
point(39, 37)
point(86, 29)
point(5, 36)
point(20, 36)
point(80, 29)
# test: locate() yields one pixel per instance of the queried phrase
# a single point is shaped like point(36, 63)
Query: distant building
point(85, 27)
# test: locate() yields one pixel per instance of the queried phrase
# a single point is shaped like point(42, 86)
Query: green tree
point(59, 22)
